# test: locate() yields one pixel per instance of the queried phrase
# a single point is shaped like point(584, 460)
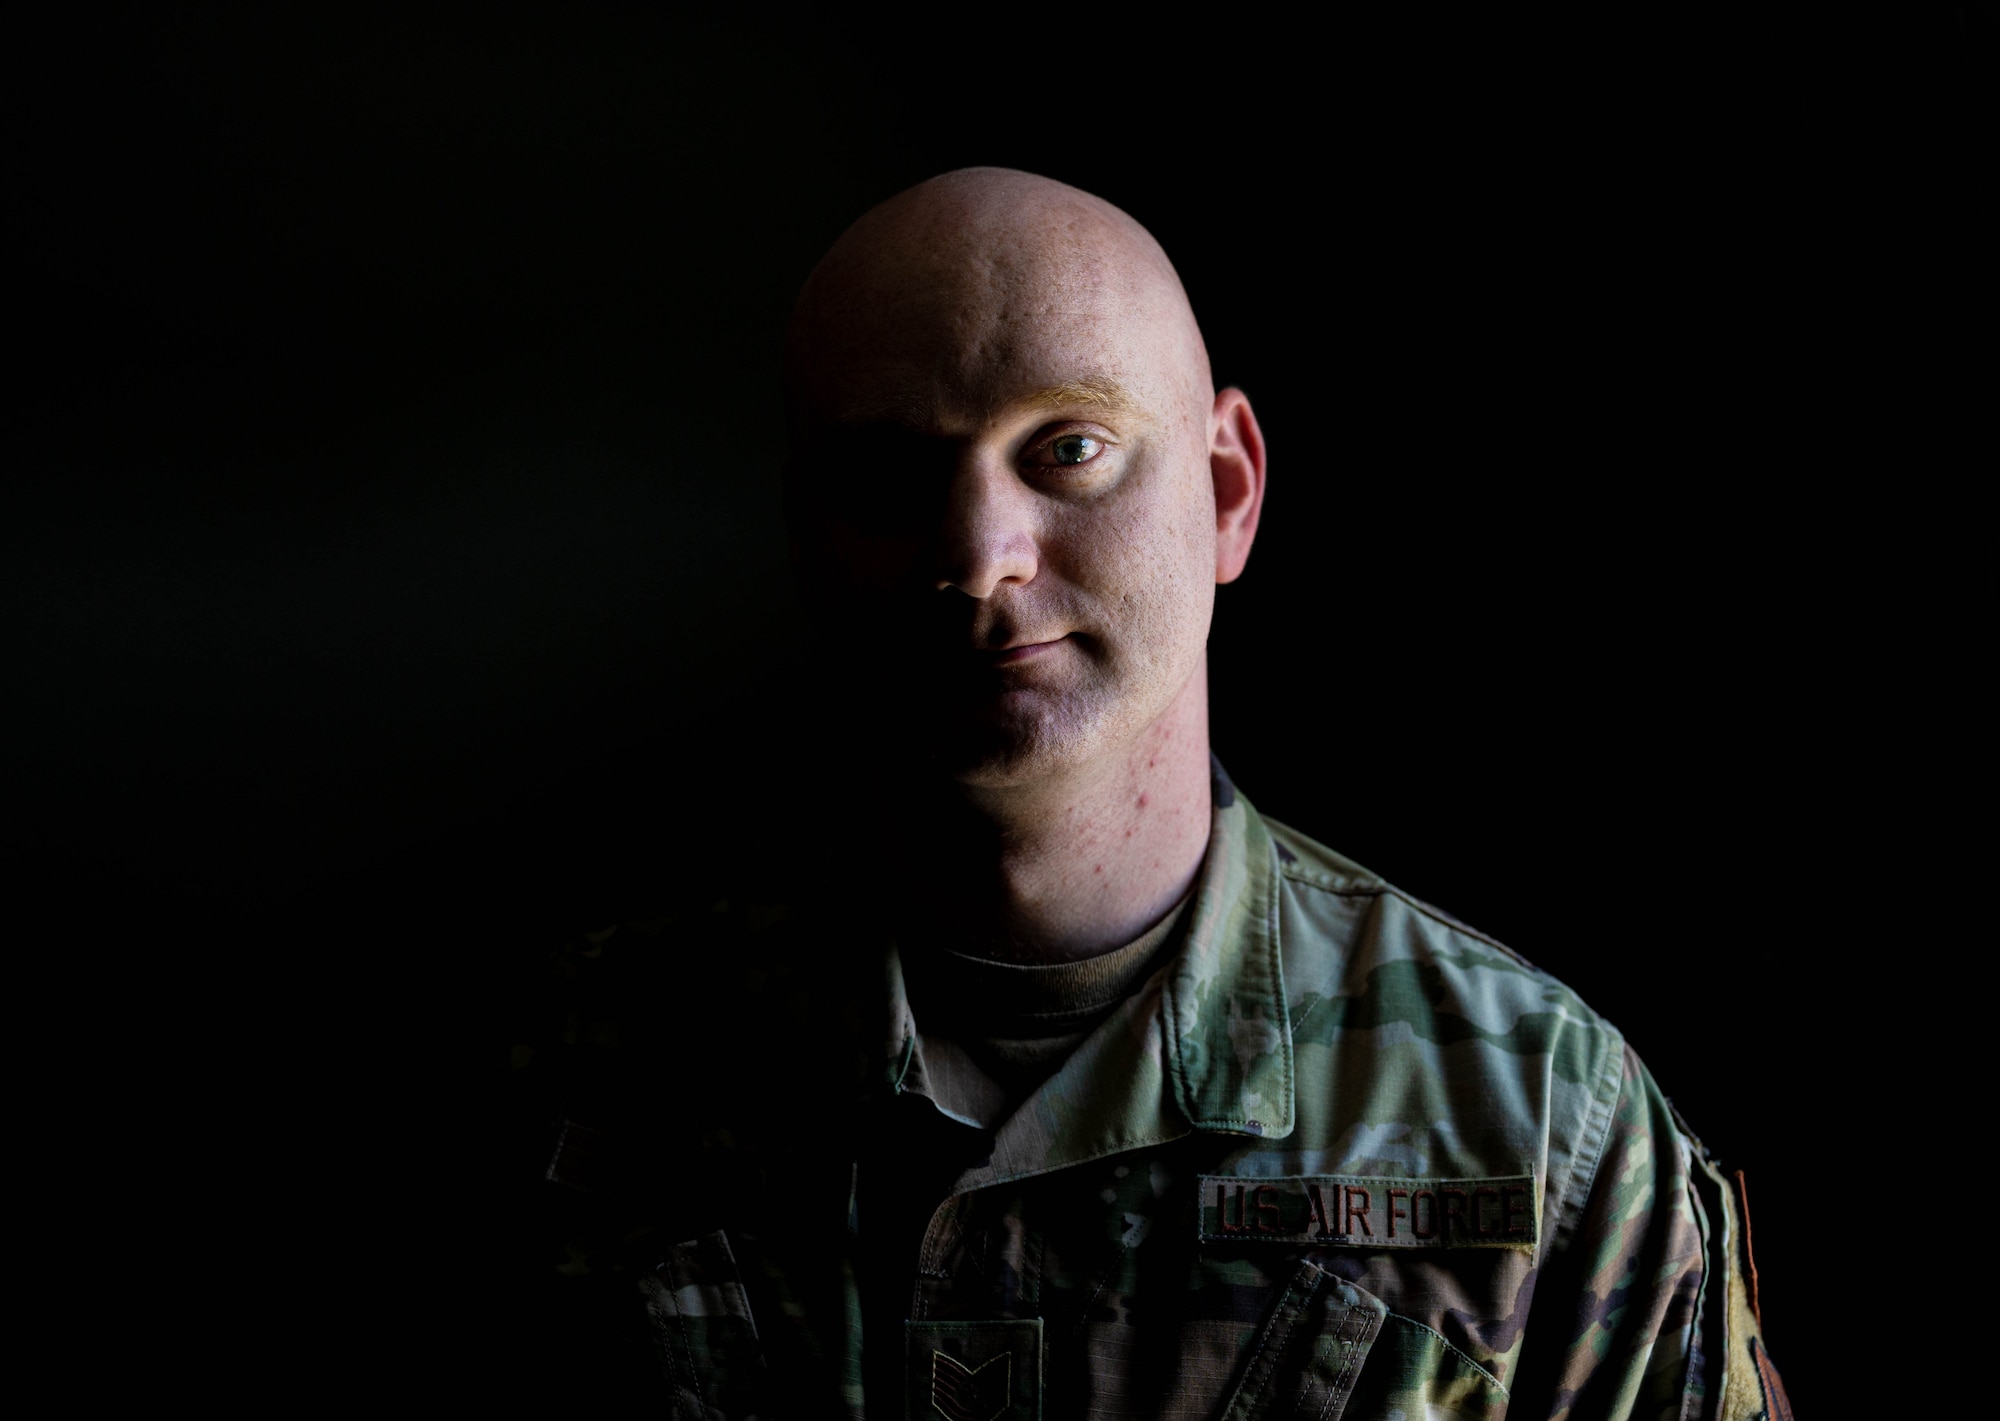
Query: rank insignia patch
point(979, 1393)
point(974, 1371)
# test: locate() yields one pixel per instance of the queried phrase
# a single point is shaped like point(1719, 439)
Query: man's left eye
point(1074, 449)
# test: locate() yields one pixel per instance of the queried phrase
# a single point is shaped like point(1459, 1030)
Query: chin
point(998, 749)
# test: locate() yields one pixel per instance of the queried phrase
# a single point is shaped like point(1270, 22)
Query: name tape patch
point(1363, 1212)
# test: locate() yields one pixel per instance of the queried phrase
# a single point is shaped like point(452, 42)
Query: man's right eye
point(1073, 448)
point(1066, 451)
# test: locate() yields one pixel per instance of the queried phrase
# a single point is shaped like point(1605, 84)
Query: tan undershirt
point(991, 1031)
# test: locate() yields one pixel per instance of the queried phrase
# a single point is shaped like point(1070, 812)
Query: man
point(1046, 1078)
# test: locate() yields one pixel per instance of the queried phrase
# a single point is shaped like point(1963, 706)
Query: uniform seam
point(1104, 1278)
point(1310, 1285)
point(1328, 883)
point(1170, 1021)
point(1275, 962)
point(687, 1348)
point(1445, 1343)
point(1691, 1390)
point(934, 1248)
point(1342, 1382)
point(1446, 921)
point(1596, 1137)
point(1339, 1333)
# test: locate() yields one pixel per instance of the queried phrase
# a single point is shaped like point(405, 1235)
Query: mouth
point(1020, 651)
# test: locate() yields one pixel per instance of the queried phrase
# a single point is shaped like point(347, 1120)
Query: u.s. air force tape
point(1358, 1211)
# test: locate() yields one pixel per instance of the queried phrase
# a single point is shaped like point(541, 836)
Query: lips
point(1020, 651)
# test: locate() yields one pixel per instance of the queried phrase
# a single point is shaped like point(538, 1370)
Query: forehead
point(953, 331)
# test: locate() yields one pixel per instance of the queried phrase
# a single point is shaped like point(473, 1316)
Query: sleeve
point(1647, 1307)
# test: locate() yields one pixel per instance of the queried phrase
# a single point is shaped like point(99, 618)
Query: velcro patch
point(1358, 1211)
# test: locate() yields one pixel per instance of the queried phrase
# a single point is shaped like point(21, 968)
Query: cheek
point(1148, 562)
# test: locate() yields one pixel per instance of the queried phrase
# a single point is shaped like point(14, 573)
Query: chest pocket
point(1308, 1356)
point(1331, 1348)
point(700, 1330)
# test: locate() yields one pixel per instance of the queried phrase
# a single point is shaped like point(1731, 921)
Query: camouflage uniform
point(1340, 1156)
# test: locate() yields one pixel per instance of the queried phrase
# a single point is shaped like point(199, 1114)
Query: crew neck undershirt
point(993, 1031)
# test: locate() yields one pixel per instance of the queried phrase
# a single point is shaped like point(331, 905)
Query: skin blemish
point(1098, 869)
point(1142, 800)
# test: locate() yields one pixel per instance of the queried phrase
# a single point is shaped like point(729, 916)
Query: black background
point(397, 525)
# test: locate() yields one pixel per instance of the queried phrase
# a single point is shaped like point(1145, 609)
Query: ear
point(1236, 463)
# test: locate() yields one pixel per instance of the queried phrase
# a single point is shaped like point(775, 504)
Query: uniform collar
point(1229, 1035)
point(1206, 1045)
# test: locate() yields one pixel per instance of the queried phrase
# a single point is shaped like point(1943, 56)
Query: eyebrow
point(1106, 395)
point(915, 410)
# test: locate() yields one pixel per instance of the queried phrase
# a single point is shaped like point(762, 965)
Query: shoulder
point(1415, 1034)
point(1352, 937)
point(1430, 1057)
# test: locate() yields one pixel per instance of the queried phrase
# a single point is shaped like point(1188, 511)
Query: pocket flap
point(699, 1321)
point(1310, 1349)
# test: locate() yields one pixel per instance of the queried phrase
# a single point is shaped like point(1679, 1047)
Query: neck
point(1076, 863)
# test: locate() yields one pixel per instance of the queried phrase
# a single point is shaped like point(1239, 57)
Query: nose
point(988, 540)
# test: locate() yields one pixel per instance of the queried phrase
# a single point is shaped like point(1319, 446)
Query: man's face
point(1002, 503)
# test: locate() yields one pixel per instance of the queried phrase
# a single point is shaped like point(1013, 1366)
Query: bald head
point(957, 276)
point(1012, 483)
